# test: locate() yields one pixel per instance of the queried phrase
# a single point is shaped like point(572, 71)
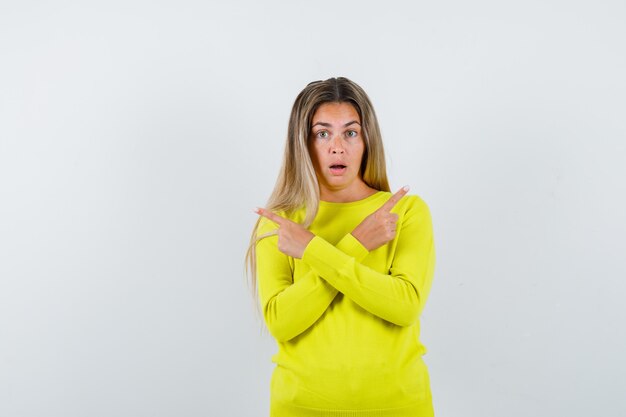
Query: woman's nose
point(336, 146)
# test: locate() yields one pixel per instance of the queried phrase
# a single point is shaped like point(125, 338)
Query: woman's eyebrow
point(329, 125)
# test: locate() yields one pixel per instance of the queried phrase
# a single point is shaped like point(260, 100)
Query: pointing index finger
point(393, 200)
point(270, 215)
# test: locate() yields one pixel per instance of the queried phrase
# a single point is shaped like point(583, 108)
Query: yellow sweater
point(346, 320)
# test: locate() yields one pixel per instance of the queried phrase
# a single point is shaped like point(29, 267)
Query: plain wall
point(136, 137)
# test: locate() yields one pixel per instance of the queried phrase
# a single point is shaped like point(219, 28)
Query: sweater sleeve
point(290, 308)
point(398, 296)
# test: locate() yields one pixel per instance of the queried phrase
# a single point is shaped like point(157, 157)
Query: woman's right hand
point(379, 227)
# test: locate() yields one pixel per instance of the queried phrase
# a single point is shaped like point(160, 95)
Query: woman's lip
point(338, 171)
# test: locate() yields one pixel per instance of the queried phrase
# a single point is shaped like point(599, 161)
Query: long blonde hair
point(297, 184)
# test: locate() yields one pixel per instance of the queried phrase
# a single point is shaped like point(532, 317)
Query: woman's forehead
point(342, 114)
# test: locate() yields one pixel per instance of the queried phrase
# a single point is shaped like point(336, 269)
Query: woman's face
point(336, 139)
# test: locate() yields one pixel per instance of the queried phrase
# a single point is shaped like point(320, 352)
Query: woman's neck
point(347, 195)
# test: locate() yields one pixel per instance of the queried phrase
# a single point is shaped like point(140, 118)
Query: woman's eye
point(352, 133)
point(322, 134)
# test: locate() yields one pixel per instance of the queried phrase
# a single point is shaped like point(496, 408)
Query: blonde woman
point(344, 267)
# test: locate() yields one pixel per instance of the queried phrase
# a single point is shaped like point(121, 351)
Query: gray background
point(137, 137)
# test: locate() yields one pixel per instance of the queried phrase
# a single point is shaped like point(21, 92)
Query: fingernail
point(256, 210)
point(406, 188)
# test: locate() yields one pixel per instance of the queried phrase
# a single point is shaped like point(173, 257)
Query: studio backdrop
point(137, 137)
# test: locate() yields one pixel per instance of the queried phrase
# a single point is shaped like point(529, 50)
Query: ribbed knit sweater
point(346, 320)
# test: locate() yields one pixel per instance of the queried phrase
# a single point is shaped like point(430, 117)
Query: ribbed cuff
point(318, 249)
point(350, 245)
point(324, 258)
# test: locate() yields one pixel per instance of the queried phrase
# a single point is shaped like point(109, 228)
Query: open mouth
point(338, 169)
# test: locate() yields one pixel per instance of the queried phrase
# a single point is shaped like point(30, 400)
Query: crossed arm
point(290, 308)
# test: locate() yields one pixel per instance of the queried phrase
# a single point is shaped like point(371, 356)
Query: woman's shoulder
point(410, 201)
point(416, 199)
point(412, 206)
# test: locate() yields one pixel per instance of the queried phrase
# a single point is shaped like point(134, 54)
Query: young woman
point(344, 267)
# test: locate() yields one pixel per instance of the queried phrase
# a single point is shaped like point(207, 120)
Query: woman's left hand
point(292, 237)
